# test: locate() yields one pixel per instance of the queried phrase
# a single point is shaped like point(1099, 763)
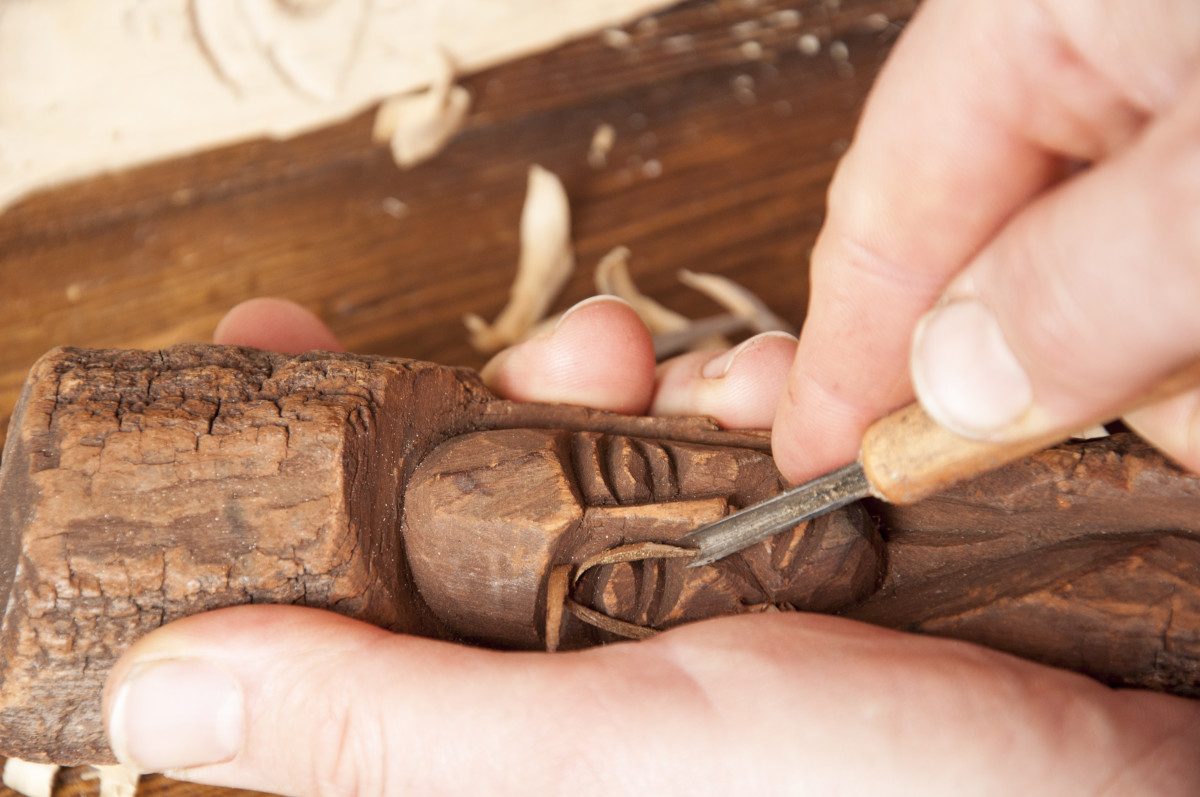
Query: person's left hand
point(299, 701)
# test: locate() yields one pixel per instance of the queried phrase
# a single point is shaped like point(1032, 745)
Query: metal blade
point(791, 507)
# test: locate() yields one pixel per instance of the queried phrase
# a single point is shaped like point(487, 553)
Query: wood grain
point(745, 146)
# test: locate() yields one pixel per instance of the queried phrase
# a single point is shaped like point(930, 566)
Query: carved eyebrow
point(620, 470)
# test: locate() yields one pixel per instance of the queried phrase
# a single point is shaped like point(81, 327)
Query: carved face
point(489, 514)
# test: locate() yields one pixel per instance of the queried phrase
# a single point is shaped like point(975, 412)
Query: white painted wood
point(88, 86)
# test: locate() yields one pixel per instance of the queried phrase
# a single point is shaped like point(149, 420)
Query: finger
point(275, 325)
point(1055, 324)
point(739, 388)
point(981, 107)
point(1173, 426)
point(598, 355)
point(296, 702)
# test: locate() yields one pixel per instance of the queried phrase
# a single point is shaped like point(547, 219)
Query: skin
point(963, 187)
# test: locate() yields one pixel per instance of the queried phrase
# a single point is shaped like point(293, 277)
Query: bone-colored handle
point(907, 456)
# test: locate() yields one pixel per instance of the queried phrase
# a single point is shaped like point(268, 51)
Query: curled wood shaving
point(30, 778)
point(561, 580)
point(417, 126)
point(612, 277)
point(740, 302)
point(546, 263)
point(606, 623)
point(634, 552)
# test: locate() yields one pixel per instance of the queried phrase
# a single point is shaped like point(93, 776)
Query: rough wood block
point(139, 487)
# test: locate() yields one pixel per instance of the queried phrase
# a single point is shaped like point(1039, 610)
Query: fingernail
point(719, 366)
point(594, 300)
point(964, 372)
point(176, 714)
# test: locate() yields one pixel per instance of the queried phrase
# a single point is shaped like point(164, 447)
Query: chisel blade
point(790, 508)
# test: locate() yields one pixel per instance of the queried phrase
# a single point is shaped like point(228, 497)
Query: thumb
point(1084, 301)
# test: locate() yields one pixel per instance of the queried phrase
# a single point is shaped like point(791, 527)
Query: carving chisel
point(905, 457)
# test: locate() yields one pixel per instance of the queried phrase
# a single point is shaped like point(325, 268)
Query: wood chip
point(118, 780)
point(602, 144)
point(30, 778)
point(739, 301)
point(546, 264)
point(417, 126)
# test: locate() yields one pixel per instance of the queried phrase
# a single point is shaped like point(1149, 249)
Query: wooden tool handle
point(908, 456)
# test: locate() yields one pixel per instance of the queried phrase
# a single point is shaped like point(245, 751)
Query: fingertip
point(599, 355)
point(1172, 426)
point(275, 324)
point(739, 387)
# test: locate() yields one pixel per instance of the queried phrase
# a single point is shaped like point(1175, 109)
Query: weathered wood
point(1085, 556)
point(138, 487)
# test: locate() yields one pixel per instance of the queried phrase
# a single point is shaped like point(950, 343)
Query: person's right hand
point(1061, 291)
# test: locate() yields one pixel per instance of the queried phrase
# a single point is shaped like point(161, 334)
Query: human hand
point(1061, 292)
point(299, 701)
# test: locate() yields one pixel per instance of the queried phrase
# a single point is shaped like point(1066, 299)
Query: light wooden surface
point(726, 137)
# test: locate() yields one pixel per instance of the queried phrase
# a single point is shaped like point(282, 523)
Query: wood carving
point(139, 487)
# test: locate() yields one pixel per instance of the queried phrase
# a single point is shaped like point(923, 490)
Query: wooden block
point(138, 487)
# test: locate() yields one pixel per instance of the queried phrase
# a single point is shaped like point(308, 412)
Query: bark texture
point(139, 487)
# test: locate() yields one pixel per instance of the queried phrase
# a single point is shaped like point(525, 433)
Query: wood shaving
point(417, 126)
point(612, 277)
point(610, 624)
point(617, 39)
point(740, 302)
point(30, 778)
point(751, 50)
point(563, 577)
point(601, 144)
point(118, 780)
point(546, 263)
point(681, 43)
point(633, 552)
